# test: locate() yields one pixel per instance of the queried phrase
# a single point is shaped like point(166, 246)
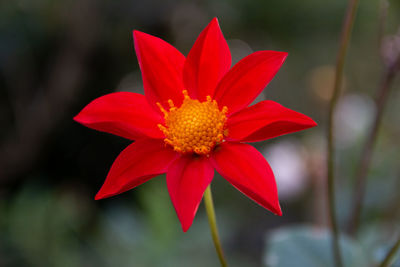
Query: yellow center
point(195, 126)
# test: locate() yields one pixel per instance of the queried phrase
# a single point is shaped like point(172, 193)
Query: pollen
point(194, 127)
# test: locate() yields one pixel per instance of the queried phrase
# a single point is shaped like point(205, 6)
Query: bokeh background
point(57, 56)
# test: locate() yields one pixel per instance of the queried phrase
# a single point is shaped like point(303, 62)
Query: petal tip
point(313, 123)
point(277, 210)
point(185, 228)
point(215, 20)
point(279, 213)
point(75, 118)
point(284, 56)
point(102, 194)
point(186, 224)
point(98, 196)
point(279, 55)
point(78, 118)
point(135, 34)
point(138, 34)
point(310, 123)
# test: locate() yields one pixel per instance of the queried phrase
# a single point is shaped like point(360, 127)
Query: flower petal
point(264, 120)
point(139, 162)
point(124, 114)
point(247, 170)
point(245, 81)
point(161, 65)
point(207, 62)
point(187, 179)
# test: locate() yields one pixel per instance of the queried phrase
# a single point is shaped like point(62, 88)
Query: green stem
point(344, 42)
point(208, 201)
point(391, 255)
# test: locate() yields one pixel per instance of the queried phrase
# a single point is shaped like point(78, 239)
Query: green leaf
point(309, 247)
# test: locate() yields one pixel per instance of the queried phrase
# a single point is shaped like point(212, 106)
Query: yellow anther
point(170, 103)
point(185, 94)
point(194, 127)
point(220, 137)
point(162, 109)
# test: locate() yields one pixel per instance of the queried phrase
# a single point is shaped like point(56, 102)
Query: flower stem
point(344, 42)
point(208, 201)
point(391, 254)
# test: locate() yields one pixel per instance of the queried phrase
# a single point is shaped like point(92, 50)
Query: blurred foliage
point(305, 246)
point(56, 56)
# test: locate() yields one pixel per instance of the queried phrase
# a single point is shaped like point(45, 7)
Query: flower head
point(194, 118)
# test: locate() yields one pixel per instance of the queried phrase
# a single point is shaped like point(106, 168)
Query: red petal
point(125, 114)
point(161, 65)
point(265, 120)
point(247, 170)
point(139, 162)
point(187, 179)
point(245, 81)
point(207, 62)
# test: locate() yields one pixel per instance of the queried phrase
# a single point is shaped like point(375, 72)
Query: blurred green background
point(57, 56)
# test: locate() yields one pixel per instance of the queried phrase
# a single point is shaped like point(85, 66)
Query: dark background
point(57, 56)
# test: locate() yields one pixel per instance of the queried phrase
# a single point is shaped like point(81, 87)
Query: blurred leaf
point(378, 238)
point(159, 211)
point(44, 223)
point(307, 246)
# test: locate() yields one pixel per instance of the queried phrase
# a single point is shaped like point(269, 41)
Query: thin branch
point(344, 43)
point(391, 254)
point(383, 10)
point(366, 155)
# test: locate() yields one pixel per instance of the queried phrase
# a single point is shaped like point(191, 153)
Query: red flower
point(194, 118)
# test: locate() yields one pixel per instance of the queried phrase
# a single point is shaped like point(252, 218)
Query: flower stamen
point(194, 127)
